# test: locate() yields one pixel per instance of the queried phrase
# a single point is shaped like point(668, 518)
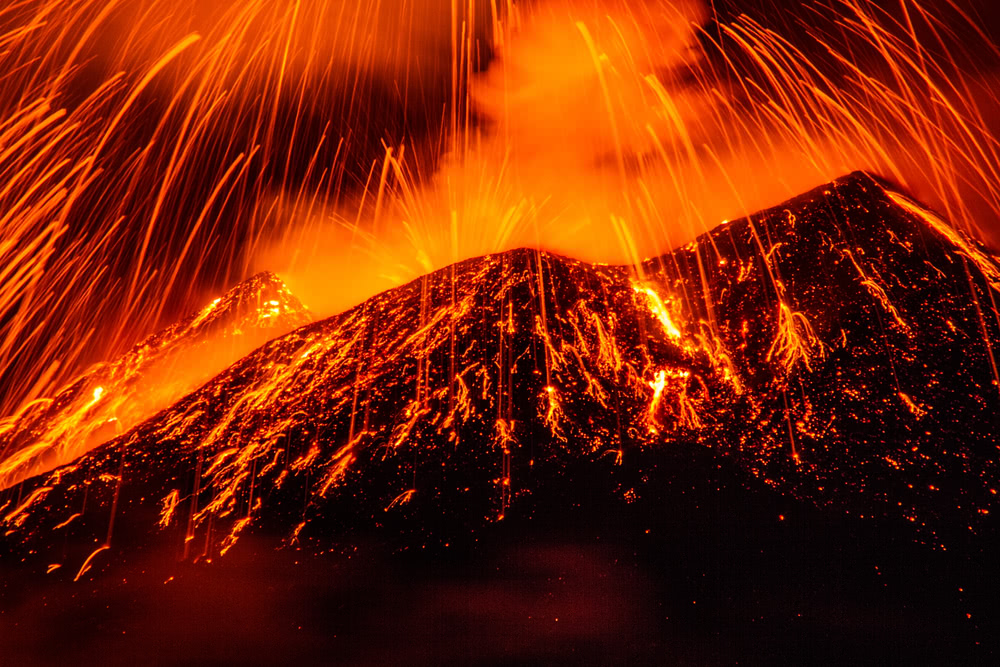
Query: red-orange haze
point(616, 131)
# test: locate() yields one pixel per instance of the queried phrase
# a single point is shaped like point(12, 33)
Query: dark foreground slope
point(865, 329)
point(775, 444)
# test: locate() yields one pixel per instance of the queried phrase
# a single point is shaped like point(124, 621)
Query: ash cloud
point(615, 131)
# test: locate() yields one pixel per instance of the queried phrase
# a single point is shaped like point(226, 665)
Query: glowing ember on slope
point(660, 311)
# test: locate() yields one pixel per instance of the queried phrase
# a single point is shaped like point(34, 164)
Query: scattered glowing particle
point(90, 558)
point(401, 499)
point(66, 522)
point(169, 505)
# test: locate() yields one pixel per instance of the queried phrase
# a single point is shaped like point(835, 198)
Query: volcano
point(817, 381)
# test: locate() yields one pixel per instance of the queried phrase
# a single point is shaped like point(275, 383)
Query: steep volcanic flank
point(838, 349)
point(112, 398)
